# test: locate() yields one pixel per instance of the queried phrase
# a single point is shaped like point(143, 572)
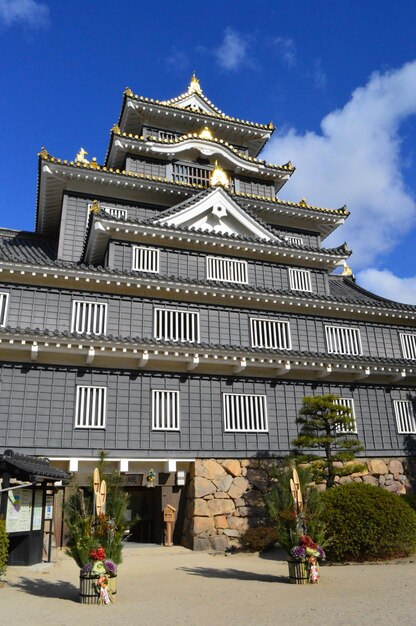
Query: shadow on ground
point(210, 572)
point(60, 589)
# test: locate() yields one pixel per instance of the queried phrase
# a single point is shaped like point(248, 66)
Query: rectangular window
point(351, 427)
point(165, 410)
point(145, 259)
point(176, 325)
point(113, 211)
point(297, 241)
point(89, 317)
point(300, 280)
point(245, 413)
point(227, 270)
point(342, 340)
point(270, 334)
point(408, 342)
point(90, 407)
point(405, 417)
point(4, 303)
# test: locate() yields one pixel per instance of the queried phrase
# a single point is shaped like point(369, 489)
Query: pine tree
point(323, 424)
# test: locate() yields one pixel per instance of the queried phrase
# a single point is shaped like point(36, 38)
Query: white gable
point(195, 102)
point(216, 212)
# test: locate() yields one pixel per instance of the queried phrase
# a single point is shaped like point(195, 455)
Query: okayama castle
point(171, 309)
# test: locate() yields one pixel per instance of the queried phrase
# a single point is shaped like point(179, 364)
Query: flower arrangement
point(99, 565)
point(306, 548)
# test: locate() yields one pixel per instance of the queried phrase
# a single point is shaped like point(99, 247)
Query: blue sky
point(337, 78)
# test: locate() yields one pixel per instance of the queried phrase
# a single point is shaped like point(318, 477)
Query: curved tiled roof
point(66, 334)
point(26, 247)
point(93, 165)
point(173, 102)
point(287, 166)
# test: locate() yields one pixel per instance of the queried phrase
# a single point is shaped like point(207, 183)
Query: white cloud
point(30, 13)
point(286, 49)
point(356, 160)
point(385, 283)
point(232, 53)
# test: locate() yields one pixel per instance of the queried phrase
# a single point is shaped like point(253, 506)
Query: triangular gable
point(196, 102)
point(216, 212)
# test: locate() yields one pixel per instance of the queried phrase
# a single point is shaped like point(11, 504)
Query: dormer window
point(300, 280)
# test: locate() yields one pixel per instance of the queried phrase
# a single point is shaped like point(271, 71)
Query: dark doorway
point(145, 507)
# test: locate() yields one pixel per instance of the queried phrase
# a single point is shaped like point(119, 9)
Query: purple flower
point(298, 552)
point(322, 554)
point(86, 569)
point(111, 567)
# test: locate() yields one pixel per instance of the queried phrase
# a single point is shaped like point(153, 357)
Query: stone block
point(238, 523)
point(357, 479)
point(396, 487)
point(245, 462)
point(244, 471)
point(201, 508)
point(345, 480)
point(381, 480)
point(221, 522)
point(377, 467)
point(389, 476)
point(239, 502)
point(211, 470)
point(396, 467)
point(258, 478)
point(321, 487)
point(231, 532)
point(201, 544)
point(221, 495)
point(370, 480)
point(238, 487)
point(202, 525)
point(232, 466)
point(202, 487)
point(219, 543)
point(224, 483)
point(221, 507)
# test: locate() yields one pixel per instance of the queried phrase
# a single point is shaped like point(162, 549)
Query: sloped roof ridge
point(352, 286)
point(187, 344)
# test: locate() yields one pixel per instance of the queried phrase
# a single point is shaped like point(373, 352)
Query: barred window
point(89, 317)
point(90, 407)
point(405, 417)
point(245, 413)
point(270, 334)
point(343, 340)
point(4, 303)
point(300, 280)
point(145, 259)
point(297, 241)
point(350, 427)
point(115, 212)
point(165, 410)
point(176, 325)
point(408, 342)
point(227, 270)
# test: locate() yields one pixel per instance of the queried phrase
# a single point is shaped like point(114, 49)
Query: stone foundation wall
point(225, 497)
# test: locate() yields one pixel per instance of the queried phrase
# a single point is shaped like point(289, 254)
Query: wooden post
point(169, 519)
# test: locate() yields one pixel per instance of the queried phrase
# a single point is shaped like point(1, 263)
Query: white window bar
point(173, 325)
point(267, 333)
point(90, 407)
point(405, 417)
point(351, 427)
point(115, 212)
point(297, 241)
point(300, 280)
point(145, 259)
point(89, 317)
point(408, 342)
point(245, 413)
point(4, 305)
point(165, 410)
point(343, 340)
point(227, 270)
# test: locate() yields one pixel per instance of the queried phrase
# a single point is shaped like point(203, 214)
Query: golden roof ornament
point(206, 133)
point(80, 157)
point(128, 92)
point(95, 207)
point(116, 129)
point(93, 164)
point(347, 271)
point(303, 202)
point(43, 153)
point(194, 86)
point(219, 177)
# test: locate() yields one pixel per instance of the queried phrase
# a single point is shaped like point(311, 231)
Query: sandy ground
point(165, 586)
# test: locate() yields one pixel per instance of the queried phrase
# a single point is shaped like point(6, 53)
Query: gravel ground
point(166, 586)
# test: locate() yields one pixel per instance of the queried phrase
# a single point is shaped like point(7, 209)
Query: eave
point(64, 348)
point(62, 275)
point(57, 175)
point(104, 228)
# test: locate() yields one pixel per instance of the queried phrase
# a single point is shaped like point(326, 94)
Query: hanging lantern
point(151, 478)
